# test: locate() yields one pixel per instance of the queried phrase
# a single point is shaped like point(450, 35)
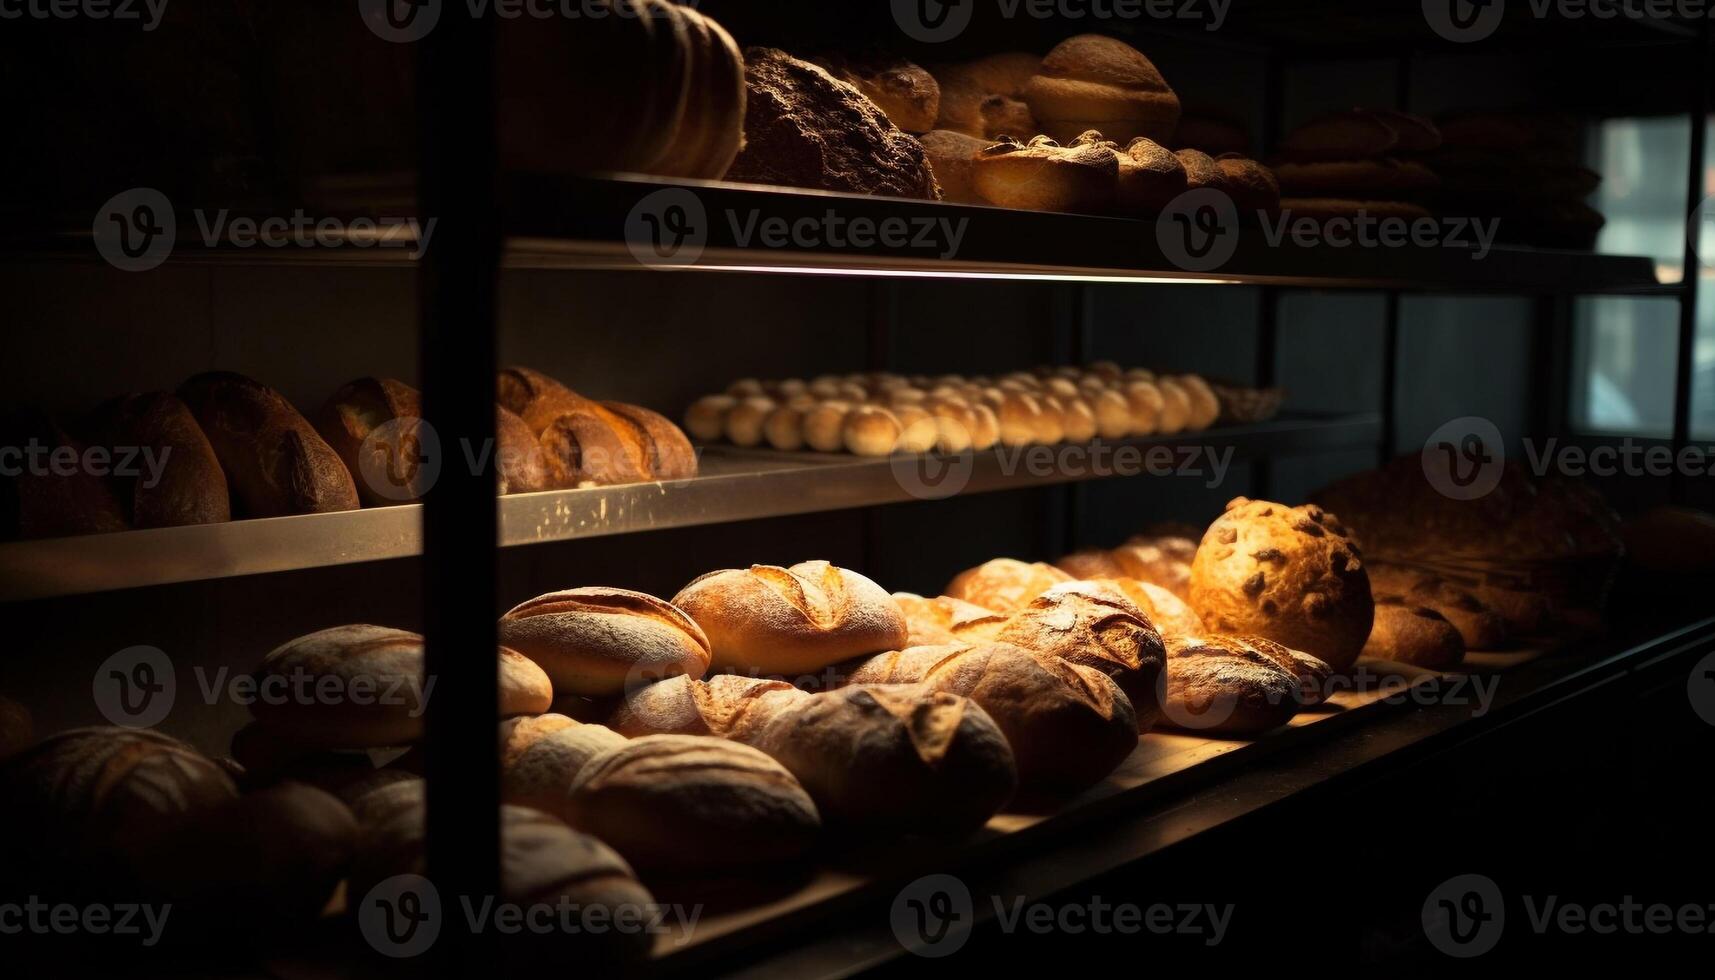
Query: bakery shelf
point(581, 224)
point(735, 485)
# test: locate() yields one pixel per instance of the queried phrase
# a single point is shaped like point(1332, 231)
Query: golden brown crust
point(1407, 633)
point(1228, 687)
point(519, 461)
point(670, 456)
point(776, 620)
point(1167, 612)
point(1480, 627)
point(360, 686)
point(1068, 725)
point(1163, 560)
point(387, 414)
point(1093, 624)
point(1043, 175)
point(1251, 185)
point(1097, 82)
point(1290, 574)
point(597, 641)
point(1004, 585)
point(274, 460)
point(944, 619)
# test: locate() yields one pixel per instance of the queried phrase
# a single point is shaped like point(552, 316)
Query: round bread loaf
point(362, 686)
point(825, 427)
point(784, 428)
point(690, 804)
point(1289, 574)
point(1096, 82)
point(1068, 725)
point(94, 801)
point(1043, 175)
point(919, 431)
point(870, 430)
point(597, 642)
point(1005, 585)
point(1223, 687)
point(543, 864)
point(946, 620)
point(744, 420)
point(776, 620)
point(1147, 405)
point(1093, 624)
point(955, 424)
point(705, 420)
point(1407, 633)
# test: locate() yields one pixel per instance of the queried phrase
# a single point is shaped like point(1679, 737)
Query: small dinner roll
point(1146, 404)
point(1113, 413)
point(824, 427)
point(705, 420)
point(918, 429)
point(871, 430)
point(744, 422)
point(784, 428)
point(1175, 406)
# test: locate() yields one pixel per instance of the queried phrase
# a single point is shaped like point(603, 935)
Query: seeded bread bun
point(1288, 574)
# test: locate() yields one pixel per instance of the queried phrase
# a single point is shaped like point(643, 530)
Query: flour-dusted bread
point(1228, 687)
point(1289, 574)
point(1093, 624)
point(597, 642)
point(944, 619)
point(772, 620)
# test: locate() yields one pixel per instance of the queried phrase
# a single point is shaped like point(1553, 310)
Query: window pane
point(1623, 365)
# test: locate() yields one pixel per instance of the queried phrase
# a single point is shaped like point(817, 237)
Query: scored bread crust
point(775, 620)
point(1042, 175)
point(1093, 624)
point(1408, 633)
point(1004, 585)
point(597, 641)
point(944, 619)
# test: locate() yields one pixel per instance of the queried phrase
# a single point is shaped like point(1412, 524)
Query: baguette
point(877, 758)
point(274, 460)
point(1068, 725)
point(191, 487)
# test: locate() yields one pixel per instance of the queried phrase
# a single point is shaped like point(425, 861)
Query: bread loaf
point(1290, 574)
point(688, 804)
point(1168, 613)
point(1096, 82)
point(870, 430)
point(1004, 585)
point(776, 620)
point(589, 443)
point(1480, 628)
point(1227, 687)
point(824, 427)
point(1043, 175)
point(190, 487)
point(1160, 559)
point(598, 642)
point(543, 864)
point(705, 420)
point(364, 686)
point(1407, 633)
point(521, 466)
point(374, 425)
point(275, 462)
point(1092, 624)
point(944, 620)
point(878, 759)
point(1068, 725)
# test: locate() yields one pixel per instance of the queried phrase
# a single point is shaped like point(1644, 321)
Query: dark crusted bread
point(804, 128)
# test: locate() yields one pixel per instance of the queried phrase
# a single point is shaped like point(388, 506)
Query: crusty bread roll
point(1175, 406)
point(1020, 417)
point(363, 686)
point(689, 804)
point(1091, 563)
point(944, 620)
point(1407, 633)
point(1480, 627)
point(825, 427)
point(784, 428)
point(1205, 406)
point(1113, 414)
point(745, 420)
point(519, 462)
point(953, 156)
point(789, 620)
point(1161, 559)
point(1004, 585)
point(870, 430)
point(192, 488)
point(1147, 405)
point(597, 642)
point(589, 443)
point(1077, 418)
point(985, 434)
point(373, 424)
point(1097, 82)
point(1043, 175)
point(919, 431)
point(955, 424)
point(1289, 574)
point(1227, 687)
point(1093, 624)
point(1050, 427)
point(543, 864)
point(705, 420)
point(1068, 725)
point(875, 758)
point(984, 98)
point(274, 460)
point(1149, 176)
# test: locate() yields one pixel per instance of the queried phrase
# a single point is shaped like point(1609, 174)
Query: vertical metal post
point(457, 293)
point(1390, 377)
point(1688, 291)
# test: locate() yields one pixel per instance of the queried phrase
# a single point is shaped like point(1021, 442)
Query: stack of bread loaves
point(1524, 169)
point(881, 413)
point(1364, 161)
point(589, 443)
